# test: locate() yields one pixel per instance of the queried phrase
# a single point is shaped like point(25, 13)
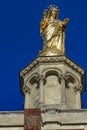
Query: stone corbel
point(26, 89)
point(65, 77)
point(62, 76)
point(78, 87)
point(43, 79)
point(40, 78)
point(37, 78)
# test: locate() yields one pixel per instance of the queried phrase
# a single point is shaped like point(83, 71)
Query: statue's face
point(54, 14)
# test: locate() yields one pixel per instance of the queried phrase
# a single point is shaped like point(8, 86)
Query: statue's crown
point(53, 8)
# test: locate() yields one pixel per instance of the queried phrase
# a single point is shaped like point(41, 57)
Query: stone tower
point(52, 84)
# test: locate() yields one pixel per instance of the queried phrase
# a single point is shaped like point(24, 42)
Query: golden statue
point(52, 31)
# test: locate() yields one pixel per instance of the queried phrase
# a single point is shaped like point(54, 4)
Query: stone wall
point(64, 119)
point(52, 120)
point(12, 120)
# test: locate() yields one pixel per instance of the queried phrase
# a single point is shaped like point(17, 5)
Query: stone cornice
point(12, 119)
point(45, 60)
point(51, 59)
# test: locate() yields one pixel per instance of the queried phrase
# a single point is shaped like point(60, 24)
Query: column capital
point(78, 87)
point(26, 89)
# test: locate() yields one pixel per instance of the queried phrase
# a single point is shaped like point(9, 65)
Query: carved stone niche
point(51, 88)
point(33, 95)
point(73, 91)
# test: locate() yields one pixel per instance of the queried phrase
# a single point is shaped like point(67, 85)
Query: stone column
point(63, 92)
point(41, 90)
point(78, 100)
point(27, 97)
point(63, 89)
point(78, 90)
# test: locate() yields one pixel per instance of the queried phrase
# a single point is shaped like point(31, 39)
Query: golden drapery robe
point(53, 35)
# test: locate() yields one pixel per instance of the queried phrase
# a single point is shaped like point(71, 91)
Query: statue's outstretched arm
point(65, 21)
point(43, 25)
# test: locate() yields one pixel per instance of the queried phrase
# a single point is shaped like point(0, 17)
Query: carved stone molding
point(55, 59)
point(78, 87)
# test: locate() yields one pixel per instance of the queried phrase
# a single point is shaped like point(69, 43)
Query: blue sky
point(20, 41)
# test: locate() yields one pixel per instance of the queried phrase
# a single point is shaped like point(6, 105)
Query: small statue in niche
point(52, 31)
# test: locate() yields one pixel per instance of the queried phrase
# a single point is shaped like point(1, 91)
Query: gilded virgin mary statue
point(52, 31)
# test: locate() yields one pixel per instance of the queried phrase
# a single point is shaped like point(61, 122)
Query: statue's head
point(53, 12)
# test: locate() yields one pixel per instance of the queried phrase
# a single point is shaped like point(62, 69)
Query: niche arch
point(33, 84)
point(52, 86)
point(72, 81)
point(72, 90)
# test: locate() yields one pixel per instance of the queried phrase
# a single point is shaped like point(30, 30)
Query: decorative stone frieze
point(55, 59)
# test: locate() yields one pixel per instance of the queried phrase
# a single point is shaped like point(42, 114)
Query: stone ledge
point(62, 117)
point(15, 118)
point(65, 117)
point(51, 59)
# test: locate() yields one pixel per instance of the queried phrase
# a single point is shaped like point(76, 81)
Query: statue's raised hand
point(66, 20)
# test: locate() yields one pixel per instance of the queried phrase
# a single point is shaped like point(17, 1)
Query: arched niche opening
point(34, 91)
point(52, 88)
point(72, 94)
